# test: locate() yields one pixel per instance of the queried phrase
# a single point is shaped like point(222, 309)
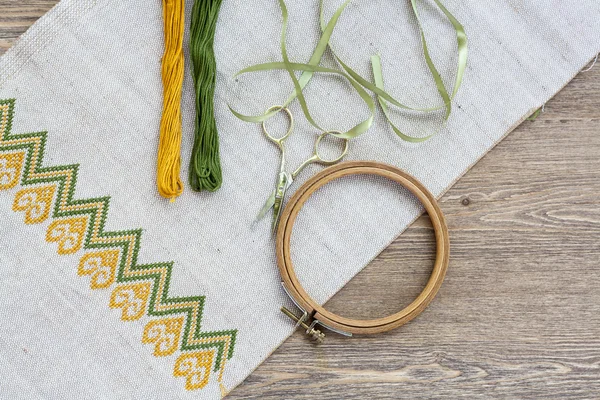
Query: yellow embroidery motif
point(224, 391)
point(195, 367)
point(111, 257)
point(131, 299)
point(165, 334)
point(68, 233)
point(35, 202)
point(101, 265)
point(10, 169)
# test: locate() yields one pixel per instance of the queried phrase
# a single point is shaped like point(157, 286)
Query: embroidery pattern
point(110, 258)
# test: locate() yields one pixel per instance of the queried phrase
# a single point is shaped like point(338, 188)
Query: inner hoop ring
point(301, 297)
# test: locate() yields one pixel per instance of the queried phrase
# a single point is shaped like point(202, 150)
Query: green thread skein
point(205, 164)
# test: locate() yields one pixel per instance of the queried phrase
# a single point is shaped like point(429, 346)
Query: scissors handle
point(279, 141)
point(331, 161)
point(318, 158)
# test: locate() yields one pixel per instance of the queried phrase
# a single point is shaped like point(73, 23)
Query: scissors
point(285, 179)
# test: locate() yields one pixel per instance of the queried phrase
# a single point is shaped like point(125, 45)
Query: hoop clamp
point(315, 312)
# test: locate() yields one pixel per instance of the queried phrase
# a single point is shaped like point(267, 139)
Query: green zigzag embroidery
point(92, 212)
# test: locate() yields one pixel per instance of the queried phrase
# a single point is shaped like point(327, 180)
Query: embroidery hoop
point(314, 313)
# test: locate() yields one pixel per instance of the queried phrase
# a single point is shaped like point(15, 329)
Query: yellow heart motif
point(101, 265)
point(195, 367)
point(68, 233)
point(35, 202)
point(165, 334)
point(131, 299)
point(11, 165)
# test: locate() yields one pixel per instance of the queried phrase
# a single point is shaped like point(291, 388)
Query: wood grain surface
point(518, 316)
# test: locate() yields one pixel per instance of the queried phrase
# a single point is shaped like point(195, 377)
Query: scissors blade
point(284, 184)
point(277, 208)
point(268, 205)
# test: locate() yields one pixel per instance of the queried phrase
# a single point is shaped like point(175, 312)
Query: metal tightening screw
point(315, 334)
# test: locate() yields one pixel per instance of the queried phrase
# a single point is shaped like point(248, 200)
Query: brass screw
point(315, 334)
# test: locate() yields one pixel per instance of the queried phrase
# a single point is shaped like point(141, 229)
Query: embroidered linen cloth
point(109, 291)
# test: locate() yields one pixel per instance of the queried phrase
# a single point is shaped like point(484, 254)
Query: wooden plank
point(519, 313)
point(17, 16)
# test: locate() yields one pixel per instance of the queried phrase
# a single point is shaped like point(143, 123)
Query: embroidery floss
point(205, 164)
point(169, 147)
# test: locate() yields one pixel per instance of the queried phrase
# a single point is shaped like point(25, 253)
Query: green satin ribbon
point(315, 60)
point(358, 82)
point(462, 48)
point(311, 68)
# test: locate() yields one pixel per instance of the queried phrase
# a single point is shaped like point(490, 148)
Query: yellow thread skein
point(169, 146)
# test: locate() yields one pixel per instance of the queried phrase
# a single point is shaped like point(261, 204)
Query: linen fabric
point(74, 326)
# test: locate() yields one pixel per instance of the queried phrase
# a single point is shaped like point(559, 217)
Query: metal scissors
point(286, 178)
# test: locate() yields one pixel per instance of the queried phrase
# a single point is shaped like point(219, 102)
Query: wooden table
point(519, 313)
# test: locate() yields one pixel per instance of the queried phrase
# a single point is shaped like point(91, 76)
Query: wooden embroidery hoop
point(315, 313)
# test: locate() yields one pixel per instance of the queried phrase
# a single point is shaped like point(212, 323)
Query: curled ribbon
point(360, 84)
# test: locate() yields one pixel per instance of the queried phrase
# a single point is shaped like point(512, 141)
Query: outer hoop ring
point(316, 311)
